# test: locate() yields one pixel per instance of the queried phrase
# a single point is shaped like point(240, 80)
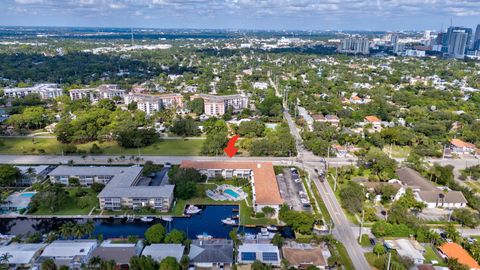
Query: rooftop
point(161, 251)
point(414, 180)
point(372, 119)
point(460, 143)
point(69, 248)
point(120, 253)
point(304, 255)
point(406, 247)
point(454, 250)
point(254, 247)
point(21, 253)
point(448, 197)
point(265, 182)
point(211, 251)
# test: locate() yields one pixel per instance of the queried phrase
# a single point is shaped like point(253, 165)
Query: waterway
point(208, 221)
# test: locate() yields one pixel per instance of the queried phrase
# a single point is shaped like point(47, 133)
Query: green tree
point(48, 264)
point(197, 106)
point(277, 240)
point(352, 197)
point(379, 249)
point(143, 263)
point(155, 234)
point(169, 263)
point(175, 236)
point(8, 175)
point(184, 262)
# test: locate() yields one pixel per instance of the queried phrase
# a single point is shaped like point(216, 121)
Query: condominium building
point(124, 186)
point(45, 91)
point(218, 105)
point(155, 103)
point(104, 91)
point(355, 45)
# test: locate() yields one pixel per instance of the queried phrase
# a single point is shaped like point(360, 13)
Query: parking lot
point(292, 190)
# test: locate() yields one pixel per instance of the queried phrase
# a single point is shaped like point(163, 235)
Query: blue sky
point(245, 14)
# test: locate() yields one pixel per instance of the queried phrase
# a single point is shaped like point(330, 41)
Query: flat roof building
point(407, 248)
point(72, 253)
point(151, 104)
point(104, 91)
point(218, 105)
point(22, 255)
point(44, 90)
point(122, 186)
point(265, 191)
point(119, 252)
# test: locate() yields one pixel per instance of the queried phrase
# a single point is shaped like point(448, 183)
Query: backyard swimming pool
point(27, 194)
point(232, 193)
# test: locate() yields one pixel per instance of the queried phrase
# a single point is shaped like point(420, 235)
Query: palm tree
point(89, 227)
point(5, 258)
point(66, 230)
point(108, 265)
point(94, 263)
point(78, 231)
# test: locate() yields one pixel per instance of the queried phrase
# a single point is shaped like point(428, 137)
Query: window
point(270, 256)
point(248, 256)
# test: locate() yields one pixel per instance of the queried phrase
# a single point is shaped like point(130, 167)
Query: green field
point(50, 146)
point(397, 151)
point(70, 206)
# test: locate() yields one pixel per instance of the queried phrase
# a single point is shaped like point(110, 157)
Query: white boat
point(229, 221)
point(146, 219)
point(247, 236)
point(167, 218)
point(130, 218)
point(272, 228)
point(204, 236)
point(192, 210)
point(264, 234)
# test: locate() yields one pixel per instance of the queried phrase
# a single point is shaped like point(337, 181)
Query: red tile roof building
point(264, 183)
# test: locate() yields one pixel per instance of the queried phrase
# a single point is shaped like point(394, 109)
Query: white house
point(72, 253)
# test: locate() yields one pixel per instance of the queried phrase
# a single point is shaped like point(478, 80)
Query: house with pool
point(265, 190)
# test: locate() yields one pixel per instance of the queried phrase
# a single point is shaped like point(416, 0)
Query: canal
point(208, 221)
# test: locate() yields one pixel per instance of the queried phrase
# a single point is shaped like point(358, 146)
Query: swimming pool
point(27, 194)
point(231, 193)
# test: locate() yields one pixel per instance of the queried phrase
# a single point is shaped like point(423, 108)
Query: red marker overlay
point(230, 150)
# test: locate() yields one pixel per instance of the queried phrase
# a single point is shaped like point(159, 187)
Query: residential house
point(265, 191)
point(302, 256)
point(161, 251)
point(455, 251)
point(407, 248)
point(265, 253)
point(119, 252)
point(260, 85)
point(443, 199)
point(460, 147)
point(426, 192)
point(374, 121)
point(329, 118)
point(22, 255)
point(124, 186)
point(71, 253)
point(213, 254)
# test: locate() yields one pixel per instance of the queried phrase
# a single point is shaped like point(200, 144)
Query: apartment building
point(104, 91)
point(124, 186)
point(151, 104)
point(45, 91)
point(218, 105)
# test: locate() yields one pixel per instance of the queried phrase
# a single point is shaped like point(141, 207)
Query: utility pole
point(335, 182)
point(389, 258)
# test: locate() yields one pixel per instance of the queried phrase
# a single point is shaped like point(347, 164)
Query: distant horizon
point(273, 15)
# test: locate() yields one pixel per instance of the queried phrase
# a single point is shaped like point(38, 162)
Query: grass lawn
point(365, 241)
point(321, 204)
point(70, 206)
point(397, 151)
point(430, 255)
point(49, 146)
point(342, 251)
point(474, 185)
point(371, 257)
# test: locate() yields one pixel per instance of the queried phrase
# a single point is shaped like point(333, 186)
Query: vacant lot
point(47, 146)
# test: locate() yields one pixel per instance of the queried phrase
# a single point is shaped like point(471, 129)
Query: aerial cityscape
point(182, 135)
